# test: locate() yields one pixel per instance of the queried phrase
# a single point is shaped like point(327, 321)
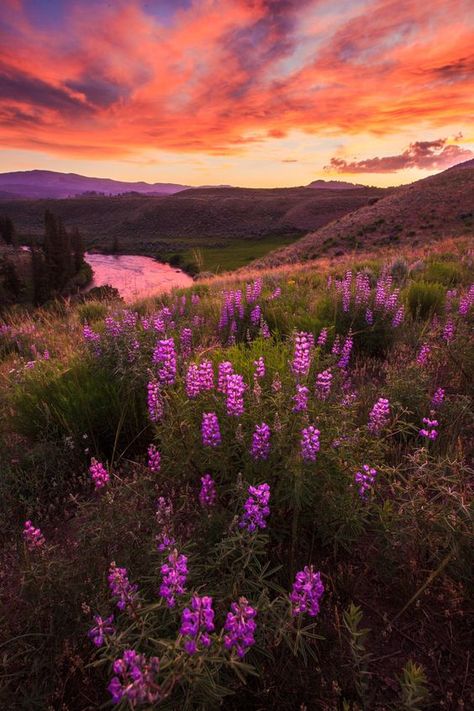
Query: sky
point(245, 92)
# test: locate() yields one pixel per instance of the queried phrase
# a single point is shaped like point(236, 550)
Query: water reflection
point(134, 276)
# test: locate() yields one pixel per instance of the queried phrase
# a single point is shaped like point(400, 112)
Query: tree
point(41, 283)
point(78, 250)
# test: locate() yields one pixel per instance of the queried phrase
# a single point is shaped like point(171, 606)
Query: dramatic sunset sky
point(247, 92)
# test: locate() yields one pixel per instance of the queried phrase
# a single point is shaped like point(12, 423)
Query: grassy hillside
point(205, 217)
point(131, 441)
point(436, 207)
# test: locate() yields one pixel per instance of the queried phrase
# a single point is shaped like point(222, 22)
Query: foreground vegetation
point(253, 493)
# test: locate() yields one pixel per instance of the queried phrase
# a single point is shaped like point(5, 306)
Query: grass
point(235, 254)
point(396, 564)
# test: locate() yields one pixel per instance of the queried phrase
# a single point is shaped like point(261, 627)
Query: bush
point(425, 299)
point(446, 273)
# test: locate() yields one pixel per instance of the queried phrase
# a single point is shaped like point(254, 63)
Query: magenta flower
point(211, 434)
point(448, 331)
point(208, 494)
point(99, 474)
point(240, 627)
point(103, 628)
point(154, 459)
point(135, 679)
point(304, 343)
point(186, 342)
point(309, 443)
point(429, 430)
point(33, 536)
point(346, 352)
point(206, 375)
point(121, 588)
point(174, 574)
point(235, 395)
point(259, 372)
point(438, 397)
point(224, 370)
point(365, 480)
point(256, 508)
point(164, 356)
point(379, 416)
point(424, 354)
point(323, 384)
point(322, 338)
point(154, 401)
point(193, 381)
point(307, 591)
point(300, 399)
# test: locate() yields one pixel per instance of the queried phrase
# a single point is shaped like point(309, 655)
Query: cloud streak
point(218, 77)
point(425, 155)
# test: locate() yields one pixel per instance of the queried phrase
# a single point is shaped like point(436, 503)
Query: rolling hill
point(439, 206)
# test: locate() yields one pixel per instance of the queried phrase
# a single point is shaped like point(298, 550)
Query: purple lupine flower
point(307, 591)
point(323, 384)
point(113, 328)
point(429, 430)
point(164, 356)
point(186, 342)
point(300, 398)
point(398, 318)
point(121, 588)
point(261, 442)
point(193, 381)
point(362, 288)
point(379, 416)
point(46, 355)
point(438, 397)
point(466, 301)
point(309, 443)
point(369, 316)
point(259, 368)
point(255, 315)
point(304, 343)
point(196, 623)
point(135, 679)
point(208, 494)
point(99, 474)
point(235, 395)
point(133, 348)
point(33, 536)
point(154, 459)
point(365, 480)
point(276, 293)
point(240, 627)
point(224, 369)
point(424, 354)
point(206, 375)
point(103, 628)
point(276, 383)
point(91, 337)
point(322, 338)
point(256, 508)
point(336, 346)
point(164, 518)
point(154, 400)
point(346, 352)
point(174, 574)
point(448, 331)
point(211, 434)
point(195, 299)
point(264, 329)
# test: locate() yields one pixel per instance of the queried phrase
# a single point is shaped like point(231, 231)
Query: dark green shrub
point(425, 299)
point(445, 273)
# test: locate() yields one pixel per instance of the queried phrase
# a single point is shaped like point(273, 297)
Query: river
point(134, 276)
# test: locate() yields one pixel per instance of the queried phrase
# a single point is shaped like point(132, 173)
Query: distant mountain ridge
point(37, 184)
point(335, 185)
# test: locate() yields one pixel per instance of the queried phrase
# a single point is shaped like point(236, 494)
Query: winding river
point(134, 276)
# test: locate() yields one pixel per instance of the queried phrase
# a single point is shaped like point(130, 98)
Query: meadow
point(252, 494)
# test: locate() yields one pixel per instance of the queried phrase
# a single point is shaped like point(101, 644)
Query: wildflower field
point(253, 494)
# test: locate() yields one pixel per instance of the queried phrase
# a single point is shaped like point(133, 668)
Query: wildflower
point(207, 495)
point(174, 574)
point(259, 368)
point(398, 318)
point(301, 398)
point(33, 536)
point(369, 317)
point(438, 397)
point(154, 401)
point(164, 356)
point(186, 341)
point(261, 442)
point(429, 430)
point(256, 508)
point(336, 346)
point(346, 352)
point(240, 627)
point(121, 588)
point(113, 328)
point(255, 315)
point(323, 384)
point(276, 383)
point(322, 338)
point(99, 474)
point(365, 480)
point(235, 395)
point(448, 331)
point(424, 354)
point(224, 369)
point(206, 375)
point(264, 329)
point(154, 459)
point(103, 628)
point(135, 679)
point(276, 293)
point(304, 343)
point(196, 623)
point(307, 591)
point(379, 415)
point(193, 381)
point(309, 443)
point(211, 434)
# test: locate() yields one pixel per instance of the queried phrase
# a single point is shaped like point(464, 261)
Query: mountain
point(50, 184)
point(193, 217)
point(334, 185)
point(439, 206)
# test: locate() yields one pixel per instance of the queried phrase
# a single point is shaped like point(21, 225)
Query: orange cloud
point(216, 76)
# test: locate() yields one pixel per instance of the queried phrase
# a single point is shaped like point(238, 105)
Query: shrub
point(425, 299)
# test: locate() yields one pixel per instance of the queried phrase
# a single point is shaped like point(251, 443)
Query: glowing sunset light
point(247, 92)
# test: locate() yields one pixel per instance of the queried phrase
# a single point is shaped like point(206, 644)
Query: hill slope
point(209, 216)
point(438, 206)
point(51, 184)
